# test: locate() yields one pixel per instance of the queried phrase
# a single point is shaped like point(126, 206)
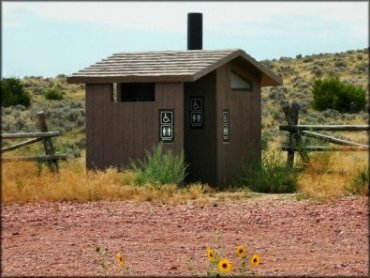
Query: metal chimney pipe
point(195, 31)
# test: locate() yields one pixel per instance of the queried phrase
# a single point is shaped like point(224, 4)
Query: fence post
point(291, 115)
point(48, 144)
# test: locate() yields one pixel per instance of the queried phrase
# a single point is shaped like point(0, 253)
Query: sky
point(51, 38)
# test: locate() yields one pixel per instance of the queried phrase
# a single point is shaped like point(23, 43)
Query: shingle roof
point(166, 66)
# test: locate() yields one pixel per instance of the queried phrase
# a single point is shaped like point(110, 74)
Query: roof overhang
point(130, 79)
point(92, 75)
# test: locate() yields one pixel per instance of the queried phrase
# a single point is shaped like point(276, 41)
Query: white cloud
point(171, 16)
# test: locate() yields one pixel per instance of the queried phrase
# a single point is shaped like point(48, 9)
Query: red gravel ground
point(292, 237)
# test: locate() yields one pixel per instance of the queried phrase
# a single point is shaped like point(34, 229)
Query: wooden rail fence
point(296, 132)
point(44, 135)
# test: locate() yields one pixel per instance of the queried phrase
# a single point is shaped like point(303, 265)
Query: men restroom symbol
point(167, 131)
point(197, 117)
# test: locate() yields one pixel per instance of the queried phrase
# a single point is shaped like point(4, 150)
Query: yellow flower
point(120, 259)
point(224, 265)
point(255, 260)
point(211, 255)
point(241, 251)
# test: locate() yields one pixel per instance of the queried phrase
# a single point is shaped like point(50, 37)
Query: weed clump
point(270, 175)
point(52, 94)
point(360, 183)
point(160, 167)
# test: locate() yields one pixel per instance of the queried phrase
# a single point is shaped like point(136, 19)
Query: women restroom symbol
point(167, 131)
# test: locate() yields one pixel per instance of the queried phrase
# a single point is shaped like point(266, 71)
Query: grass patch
point(331, 175)
point(23, 183)
point(160, 167)
point(327, 176)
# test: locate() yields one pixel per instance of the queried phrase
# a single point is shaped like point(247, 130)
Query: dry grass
point(22, 182)
point(326, 177)
point(329, 174)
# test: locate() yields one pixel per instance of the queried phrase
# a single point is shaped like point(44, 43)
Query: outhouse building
point(206, 103)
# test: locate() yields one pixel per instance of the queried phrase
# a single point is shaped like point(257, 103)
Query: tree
point(13, 93)
point(332, 93)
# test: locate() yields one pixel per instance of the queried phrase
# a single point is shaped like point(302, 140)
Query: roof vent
point(195, 31)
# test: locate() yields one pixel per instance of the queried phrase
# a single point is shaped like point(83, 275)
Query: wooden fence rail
point(322, 149)
point(332, 139)
point(29, 134)
point(44, 135)
point(324, 127)
point(296, 132)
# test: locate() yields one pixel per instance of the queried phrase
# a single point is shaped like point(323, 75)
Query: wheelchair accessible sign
point(196, 112)
point(166, 126)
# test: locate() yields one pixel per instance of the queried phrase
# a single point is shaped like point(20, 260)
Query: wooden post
point(48, 144)
point(291, 115)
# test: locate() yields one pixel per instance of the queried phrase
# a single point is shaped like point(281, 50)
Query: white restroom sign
point(226, 126)
point(196, 112)
point(196, 118)
point(166, 117)
point(166, 125)
point(196, 104)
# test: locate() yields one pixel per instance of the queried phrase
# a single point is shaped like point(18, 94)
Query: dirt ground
point(292, 237)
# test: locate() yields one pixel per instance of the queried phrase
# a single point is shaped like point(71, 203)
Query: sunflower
point(211, 255)
point(120, 259)
point(241, 251)
point(224, 265)
point(255, 260)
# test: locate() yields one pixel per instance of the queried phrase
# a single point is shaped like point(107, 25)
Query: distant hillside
point(299, 73)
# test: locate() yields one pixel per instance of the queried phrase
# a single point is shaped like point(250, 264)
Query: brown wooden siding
point(96, 95)
point(200, 144)
point(245, 123)
point(122, 131)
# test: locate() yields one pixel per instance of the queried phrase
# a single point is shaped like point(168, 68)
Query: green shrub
point(52, 94)
point(360, 183)
point(332, 93)
point(13, 93)
point(270, 175)
point(160, 167)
